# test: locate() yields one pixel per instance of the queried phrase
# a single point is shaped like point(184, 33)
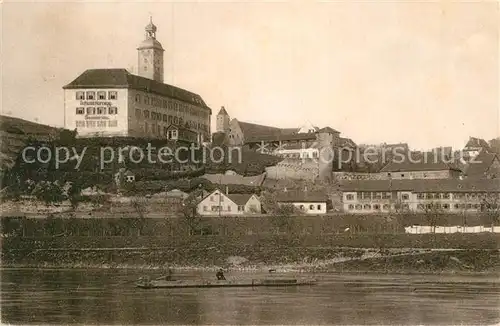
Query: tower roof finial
point(151, 27)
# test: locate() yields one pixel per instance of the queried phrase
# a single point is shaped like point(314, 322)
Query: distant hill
point(14, 135)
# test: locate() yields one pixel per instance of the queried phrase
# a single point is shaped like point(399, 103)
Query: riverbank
point(261, 259)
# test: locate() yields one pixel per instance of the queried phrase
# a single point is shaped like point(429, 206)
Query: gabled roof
point(418, 162)
point(121, 78)
point(346, 142)
point(475, 143)
point(239, 199)
point(222, 111)
point(419, 185)
point(329, 130)
point(299, 196)
point(479, 166)
point(252, 129)
point(289, 131)
point(179, 127)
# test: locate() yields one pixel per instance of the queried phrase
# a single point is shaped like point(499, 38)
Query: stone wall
point(357, 176)
point(296, 169)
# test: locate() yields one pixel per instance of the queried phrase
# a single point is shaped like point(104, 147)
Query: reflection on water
point(109, 296)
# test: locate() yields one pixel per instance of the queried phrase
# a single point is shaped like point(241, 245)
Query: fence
point(128, 224)
point(417, 229)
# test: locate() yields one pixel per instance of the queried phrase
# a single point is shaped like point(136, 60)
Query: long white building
point(114, 102)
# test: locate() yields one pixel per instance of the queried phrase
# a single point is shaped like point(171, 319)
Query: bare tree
point(490, 208)
point(464, 208)
point(432, 213)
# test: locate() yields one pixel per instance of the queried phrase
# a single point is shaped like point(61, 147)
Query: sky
point(424, 73)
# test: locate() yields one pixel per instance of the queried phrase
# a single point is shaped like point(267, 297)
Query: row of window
point(241, 208)
point(366, 207)
point(311, 207)
point(456, 195)
point(301, 155)
point(447, 206)
point(430, 195)
point(96, 124)
point(419, 206)
point(97, 110)
point(370, 195)
point(169, 119)
point(101, 95)
point(172, 105)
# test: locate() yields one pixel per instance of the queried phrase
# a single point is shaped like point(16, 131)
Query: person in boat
point(220, 275)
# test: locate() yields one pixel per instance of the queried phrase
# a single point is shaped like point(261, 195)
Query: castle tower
point(326, 139)
point(150, 55)
point(222, 123)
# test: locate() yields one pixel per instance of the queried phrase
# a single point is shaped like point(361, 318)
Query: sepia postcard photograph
point(250, 162)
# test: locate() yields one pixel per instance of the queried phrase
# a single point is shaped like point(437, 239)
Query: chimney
point(227, 190)
point(284, 189)
point(305, 189)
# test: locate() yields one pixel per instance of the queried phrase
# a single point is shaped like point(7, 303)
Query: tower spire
point(150, 55)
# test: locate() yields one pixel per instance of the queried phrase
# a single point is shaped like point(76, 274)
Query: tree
point(189, 212)
point(490, 208)
point(433, 212)
point(74, 194)
point(140, 208)
point(49, 192)
point(268, 202)
point(282, 216)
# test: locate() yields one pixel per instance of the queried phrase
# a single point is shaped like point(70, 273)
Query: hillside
point(15, 133)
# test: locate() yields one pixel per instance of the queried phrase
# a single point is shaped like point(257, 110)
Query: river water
point(109, 297)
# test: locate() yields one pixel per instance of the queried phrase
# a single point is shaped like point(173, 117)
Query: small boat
point(271, 282)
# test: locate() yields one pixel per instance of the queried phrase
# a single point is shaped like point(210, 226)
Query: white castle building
point(114, 102)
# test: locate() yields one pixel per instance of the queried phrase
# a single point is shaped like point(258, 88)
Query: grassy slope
point(14, 134)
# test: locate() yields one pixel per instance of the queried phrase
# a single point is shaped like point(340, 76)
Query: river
point(109, 297)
